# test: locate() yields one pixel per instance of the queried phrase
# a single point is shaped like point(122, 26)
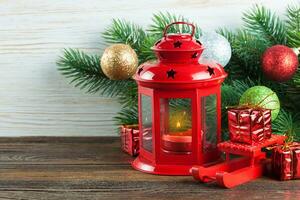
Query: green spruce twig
point(121, 31)
point(293, 25)
point(84, 71)
point(287, 124)
point(266, 25)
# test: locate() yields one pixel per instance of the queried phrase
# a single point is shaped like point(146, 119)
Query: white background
point(35, 100)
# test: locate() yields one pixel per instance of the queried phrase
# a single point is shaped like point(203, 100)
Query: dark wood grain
point(59, 150)
point(95, 168)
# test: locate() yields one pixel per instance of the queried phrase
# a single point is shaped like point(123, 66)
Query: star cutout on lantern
point(177, 44)
point(198, 42)
point(171, 73)
point(157, 42)
point(195, 55)
point(140, 70)
point(210, 70)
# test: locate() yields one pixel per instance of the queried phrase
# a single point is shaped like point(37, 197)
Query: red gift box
point(286, 161)
point(249, 125)
point(130, 139)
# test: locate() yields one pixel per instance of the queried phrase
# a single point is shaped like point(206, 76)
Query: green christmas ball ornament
point(263, 97)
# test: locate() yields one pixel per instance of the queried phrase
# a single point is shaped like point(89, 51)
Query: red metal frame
point(159, 162)
point(166, 158)
point(177, 74)
point(146, 154)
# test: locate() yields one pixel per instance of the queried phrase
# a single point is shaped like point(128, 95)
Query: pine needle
point(84, 71)
point(287, 124)
point(293, 25)
point(266, 25)
point(125, 32)
point(127, 115)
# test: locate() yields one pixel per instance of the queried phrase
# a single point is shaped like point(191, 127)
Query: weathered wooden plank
point(93, 150)
point(117, 181)
point(95, 168)
point(62, 140)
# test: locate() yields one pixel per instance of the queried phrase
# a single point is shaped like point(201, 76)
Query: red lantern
point(179, 107)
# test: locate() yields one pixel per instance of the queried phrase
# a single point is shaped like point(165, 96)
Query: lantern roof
point(178, 62)
point(159, 72)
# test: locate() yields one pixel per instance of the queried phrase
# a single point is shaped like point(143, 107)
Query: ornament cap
point(182, 47)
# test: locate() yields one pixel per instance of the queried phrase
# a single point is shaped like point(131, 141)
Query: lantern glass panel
point(146, 122)
point(209, 122)
point(176, 125)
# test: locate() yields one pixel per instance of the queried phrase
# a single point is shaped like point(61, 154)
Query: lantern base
point(147, 167)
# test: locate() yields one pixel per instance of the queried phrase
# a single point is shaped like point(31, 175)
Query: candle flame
point(178, 125)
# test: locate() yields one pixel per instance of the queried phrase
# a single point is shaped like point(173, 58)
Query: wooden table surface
point(95, 168)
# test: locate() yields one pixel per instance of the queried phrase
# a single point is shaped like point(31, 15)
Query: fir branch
point(228, 34)
point(127, 115)
point(129, 96)
point(85, 72)
point(287, 124)
point(265, 24)
point(293, 26)
point(146, 53)
point(161, 20)
point(125, 32)
point(240, 86)
point(296, 79)
point(249, 48)
point(290, 93)
point(246, 53)
point(231, 96)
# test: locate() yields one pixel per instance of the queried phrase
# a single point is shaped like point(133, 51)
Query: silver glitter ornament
point(216, 48)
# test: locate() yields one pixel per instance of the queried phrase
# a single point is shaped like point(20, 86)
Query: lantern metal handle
point(186, 23)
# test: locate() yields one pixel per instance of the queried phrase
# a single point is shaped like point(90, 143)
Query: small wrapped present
point(249, 125)
point(286, 161)
point(130, 139)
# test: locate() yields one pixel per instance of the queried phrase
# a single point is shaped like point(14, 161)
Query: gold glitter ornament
point(119, 61)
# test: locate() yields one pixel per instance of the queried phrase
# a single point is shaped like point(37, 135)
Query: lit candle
point(178, 125)
point(178, 140)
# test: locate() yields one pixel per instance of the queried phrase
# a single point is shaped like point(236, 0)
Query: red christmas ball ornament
point(279, 63)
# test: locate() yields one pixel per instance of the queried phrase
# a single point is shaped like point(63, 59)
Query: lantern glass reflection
point(176, 125)
point(209, 122)
point(146, 122)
